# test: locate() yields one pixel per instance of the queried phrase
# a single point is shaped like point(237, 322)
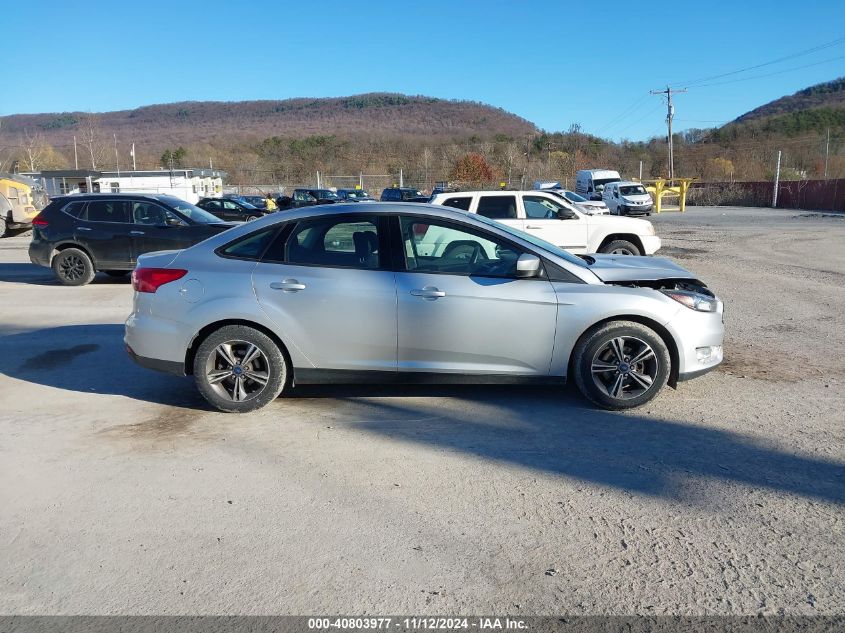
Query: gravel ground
point(123, 494)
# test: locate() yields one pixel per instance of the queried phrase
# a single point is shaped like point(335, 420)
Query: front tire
point(2, 227)
point(73, 267)
point(620, 365)
point(240, 369)
point(620, 247)
point(250, 218)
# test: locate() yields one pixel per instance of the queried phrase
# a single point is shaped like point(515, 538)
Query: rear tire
point(620, 247)
point(620, 365)
point(239, 369)
point(73, 267)
point(250, 218)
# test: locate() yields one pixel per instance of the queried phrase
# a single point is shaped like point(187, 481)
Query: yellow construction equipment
point(17, 206)
point(660, 188)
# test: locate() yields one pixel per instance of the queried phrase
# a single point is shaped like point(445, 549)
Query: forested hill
point(188, 123)
point(814, 110)
point(830, 94)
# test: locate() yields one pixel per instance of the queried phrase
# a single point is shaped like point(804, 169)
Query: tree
point(473, 168)
point(173, 158)
point(91, 139)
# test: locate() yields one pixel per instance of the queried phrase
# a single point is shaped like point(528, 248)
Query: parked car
point(555, 220)
point(306, 198)
point(627, 198)
point(589, 207)
point(591, 182)
point(403, 194)
point(231, 209)
point(259, 202)
point(392, 293)
point(79, 235)
point(354, 195)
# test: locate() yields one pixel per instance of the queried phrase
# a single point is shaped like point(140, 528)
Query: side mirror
point(527, 266)
point(566, 214)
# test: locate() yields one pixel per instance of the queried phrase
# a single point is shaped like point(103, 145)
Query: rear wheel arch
point(61, 247)
point(628, 237)
point(661, 331)
point(204, 332)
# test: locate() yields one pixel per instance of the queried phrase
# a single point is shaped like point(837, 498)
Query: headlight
point(694, 300)
point(650, 230)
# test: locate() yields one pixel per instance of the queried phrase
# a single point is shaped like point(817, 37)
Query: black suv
point(403, 194)
point(232, 209)
point(79, 235)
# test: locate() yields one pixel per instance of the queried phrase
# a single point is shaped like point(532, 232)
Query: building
point(188, 184)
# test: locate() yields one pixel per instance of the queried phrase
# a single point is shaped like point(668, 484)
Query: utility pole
point(777, 180)
point(76, 155)
point(826, 153)
point(670, 114)
point(641, 171)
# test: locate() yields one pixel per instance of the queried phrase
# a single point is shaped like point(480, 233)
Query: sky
point(553, 63)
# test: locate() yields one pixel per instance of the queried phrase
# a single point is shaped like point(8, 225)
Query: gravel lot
point(123, 494)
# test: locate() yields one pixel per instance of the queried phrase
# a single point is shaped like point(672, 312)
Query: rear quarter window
point(250, 247)
point(460, 202)
point(74, 209)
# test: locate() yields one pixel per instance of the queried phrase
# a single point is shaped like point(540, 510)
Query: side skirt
point(310, 376)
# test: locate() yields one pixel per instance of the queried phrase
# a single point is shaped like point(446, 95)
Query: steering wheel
point(468, 250)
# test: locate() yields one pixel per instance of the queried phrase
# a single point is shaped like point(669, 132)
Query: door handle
point(532, 226)
point(288, 285)
point(84, 228)
point(136, 233)
point(429, 292)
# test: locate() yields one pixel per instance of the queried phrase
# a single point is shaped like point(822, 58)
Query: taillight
point(150, 279)
point(39, 223)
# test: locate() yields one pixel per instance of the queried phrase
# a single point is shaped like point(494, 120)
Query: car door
point(156, 228)
point(461, 308)
point(608, 198)
point(550, 220)
point(329, 289)
point(103, 229)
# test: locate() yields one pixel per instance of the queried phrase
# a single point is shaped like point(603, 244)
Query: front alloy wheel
point(621, 364)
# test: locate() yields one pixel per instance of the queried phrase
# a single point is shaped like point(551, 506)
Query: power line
point(778, 72)
point(629, 110)
point(690, 82)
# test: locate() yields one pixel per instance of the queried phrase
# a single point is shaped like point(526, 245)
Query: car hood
point(611, 268)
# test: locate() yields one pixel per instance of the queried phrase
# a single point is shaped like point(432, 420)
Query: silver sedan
point(415, 293)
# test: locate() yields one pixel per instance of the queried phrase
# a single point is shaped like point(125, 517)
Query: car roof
point(627, 183)
point(105, 194)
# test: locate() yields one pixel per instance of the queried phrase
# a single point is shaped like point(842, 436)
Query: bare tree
point(91, 138)
point(34, 149)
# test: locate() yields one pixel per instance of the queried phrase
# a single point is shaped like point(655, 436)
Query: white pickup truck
point(552, 219)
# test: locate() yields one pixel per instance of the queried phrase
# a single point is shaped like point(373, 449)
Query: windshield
point(358, 193)
point(196, 214)
point(633, 190)
point(573, 197)
point(604, 181)
point(407, 194)
point(326, 194)
point(536, 241)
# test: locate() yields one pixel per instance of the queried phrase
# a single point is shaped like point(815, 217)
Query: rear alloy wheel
point(620, 247)
point(73, 267)
point(621, 365)
point(239, 369)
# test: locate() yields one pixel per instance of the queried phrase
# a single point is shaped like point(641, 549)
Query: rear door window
point(337, 242)
point(497, 207)
point(116, 211)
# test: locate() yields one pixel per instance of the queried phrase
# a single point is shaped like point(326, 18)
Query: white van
point(590, 182)
point(627, 198)
point(555, 220)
